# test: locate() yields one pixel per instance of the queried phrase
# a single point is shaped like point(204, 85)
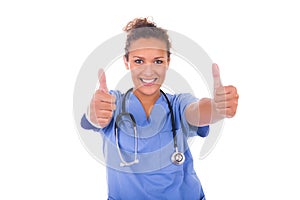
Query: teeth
point(148, 80)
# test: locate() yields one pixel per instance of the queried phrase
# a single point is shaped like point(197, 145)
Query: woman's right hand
point(102, 104)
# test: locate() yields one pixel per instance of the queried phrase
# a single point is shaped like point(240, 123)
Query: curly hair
point(144, 28)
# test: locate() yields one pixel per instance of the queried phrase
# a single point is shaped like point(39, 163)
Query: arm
point(207, 111)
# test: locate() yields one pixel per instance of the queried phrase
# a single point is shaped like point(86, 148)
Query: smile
point(148, 80)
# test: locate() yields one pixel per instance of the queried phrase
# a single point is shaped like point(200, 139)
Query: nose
point(148, 69)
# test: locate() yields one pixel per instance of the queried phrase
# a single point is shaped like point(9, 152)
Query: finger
point(226, 97)
point(222, 105)
point(103, 121)
point(227, 112)
point(105, 106)
point(104, 114)
point(225, 90)
point(102, 80)
point(216, 76)
point(226, 104)
point(105, 97)
point(227, 94)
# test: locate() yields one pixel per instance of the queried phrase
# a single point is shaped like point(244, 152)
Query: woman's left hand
point(225, 97)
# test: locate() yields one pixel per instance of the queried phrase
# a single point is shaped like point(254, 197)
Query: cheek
point(134, 74)
point(159, 71)
point(162, 72)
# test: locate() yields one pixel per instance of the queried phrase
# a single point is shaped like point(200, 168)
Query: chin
point(148, 90)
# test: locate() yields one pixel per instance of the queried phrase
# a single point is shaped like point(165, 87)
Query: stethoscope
point(177, 157)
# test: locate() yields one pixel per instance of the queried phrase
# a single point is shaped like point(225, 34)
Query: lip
point(148, 81)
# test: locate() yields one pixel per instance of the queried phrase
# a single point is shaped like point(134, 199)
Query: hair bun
point(138, 23)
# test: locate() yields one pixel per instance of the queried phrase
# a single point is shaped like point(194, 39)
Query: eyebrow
point(138, 57)
point(159, 57)
point(144, 58)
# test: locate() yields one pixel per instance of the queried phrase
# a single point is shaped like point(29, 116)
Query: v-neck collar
point(135, 107)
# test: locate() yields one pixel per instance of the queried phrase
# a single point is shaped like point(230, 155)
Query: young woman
point(145, 130)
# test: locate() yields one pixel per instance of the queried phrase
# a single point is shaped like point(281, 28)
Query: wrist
point(88, 117)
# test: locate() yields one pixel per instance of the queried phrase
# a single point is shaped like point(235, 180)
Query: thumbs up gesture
point(102, 104)
point(225, 97)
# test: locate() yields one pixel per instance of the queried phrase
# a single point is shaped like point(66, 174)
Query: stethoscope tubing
point(176, 158)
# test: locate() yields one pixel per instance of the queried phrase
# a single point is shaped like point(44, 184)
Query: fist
point(102, 104)
point(225, 97)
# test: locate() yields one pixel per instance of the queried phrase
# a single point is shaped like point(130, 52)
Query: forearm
point(202, 113)
point(87, 124)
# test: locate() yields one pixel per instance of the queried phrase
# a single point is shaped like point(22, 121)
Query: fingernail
point(217, 66)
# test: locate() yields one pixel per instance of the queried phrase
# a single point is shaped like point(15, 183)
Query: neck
point(147, 101)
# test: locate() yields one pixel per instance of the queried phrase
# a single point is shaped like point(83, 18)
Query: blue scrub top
point(155, 176)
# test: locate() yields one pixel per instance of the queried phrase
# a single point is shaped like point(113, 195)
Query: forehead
point(148, 44)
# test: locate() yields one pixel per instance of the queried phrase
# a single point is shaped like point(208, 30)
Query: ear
point(126, 62)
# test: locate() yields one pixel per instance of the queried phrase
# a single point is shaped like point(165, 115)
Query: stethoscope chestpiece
point(177, 158)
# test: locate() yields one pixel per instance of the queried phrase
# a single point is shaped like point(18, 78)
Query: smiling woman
point(148, 61)
point(146, 130)
point(147, 55)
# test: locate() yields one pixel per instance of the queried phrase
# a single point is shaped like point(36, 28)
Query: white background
point(43, 45)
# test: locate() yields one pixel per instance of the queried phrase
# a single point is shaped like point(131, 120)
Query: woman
point(155, 160)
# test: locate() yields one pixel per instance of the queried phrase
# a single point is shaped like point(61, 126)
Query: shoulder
point(116, 93)
point(181, 98)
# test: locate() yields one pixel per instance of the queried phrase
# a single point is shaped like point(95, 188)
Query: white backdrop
point(43, 45)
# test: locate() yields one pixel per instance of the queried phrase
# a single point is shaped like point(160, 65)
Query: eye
point(138, 61)
point(158, 62)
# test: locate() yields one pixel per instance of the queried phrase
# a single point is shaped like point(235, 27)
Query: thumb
point(102, 80)
point(216, 76)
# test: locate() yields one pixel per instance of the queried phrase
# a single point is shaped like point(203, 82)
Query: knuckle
point(231, 113)
point(217, 105)
point(231, 87)
point(216, 99)
point(230, 103)
point(234, 89)
point(101, 123)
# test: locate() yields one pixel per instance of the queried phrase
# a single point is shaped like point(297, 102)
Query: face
point(148, 61)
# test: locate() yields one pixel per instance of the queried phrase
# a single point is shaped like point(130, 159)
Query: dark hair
point(144, 28)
